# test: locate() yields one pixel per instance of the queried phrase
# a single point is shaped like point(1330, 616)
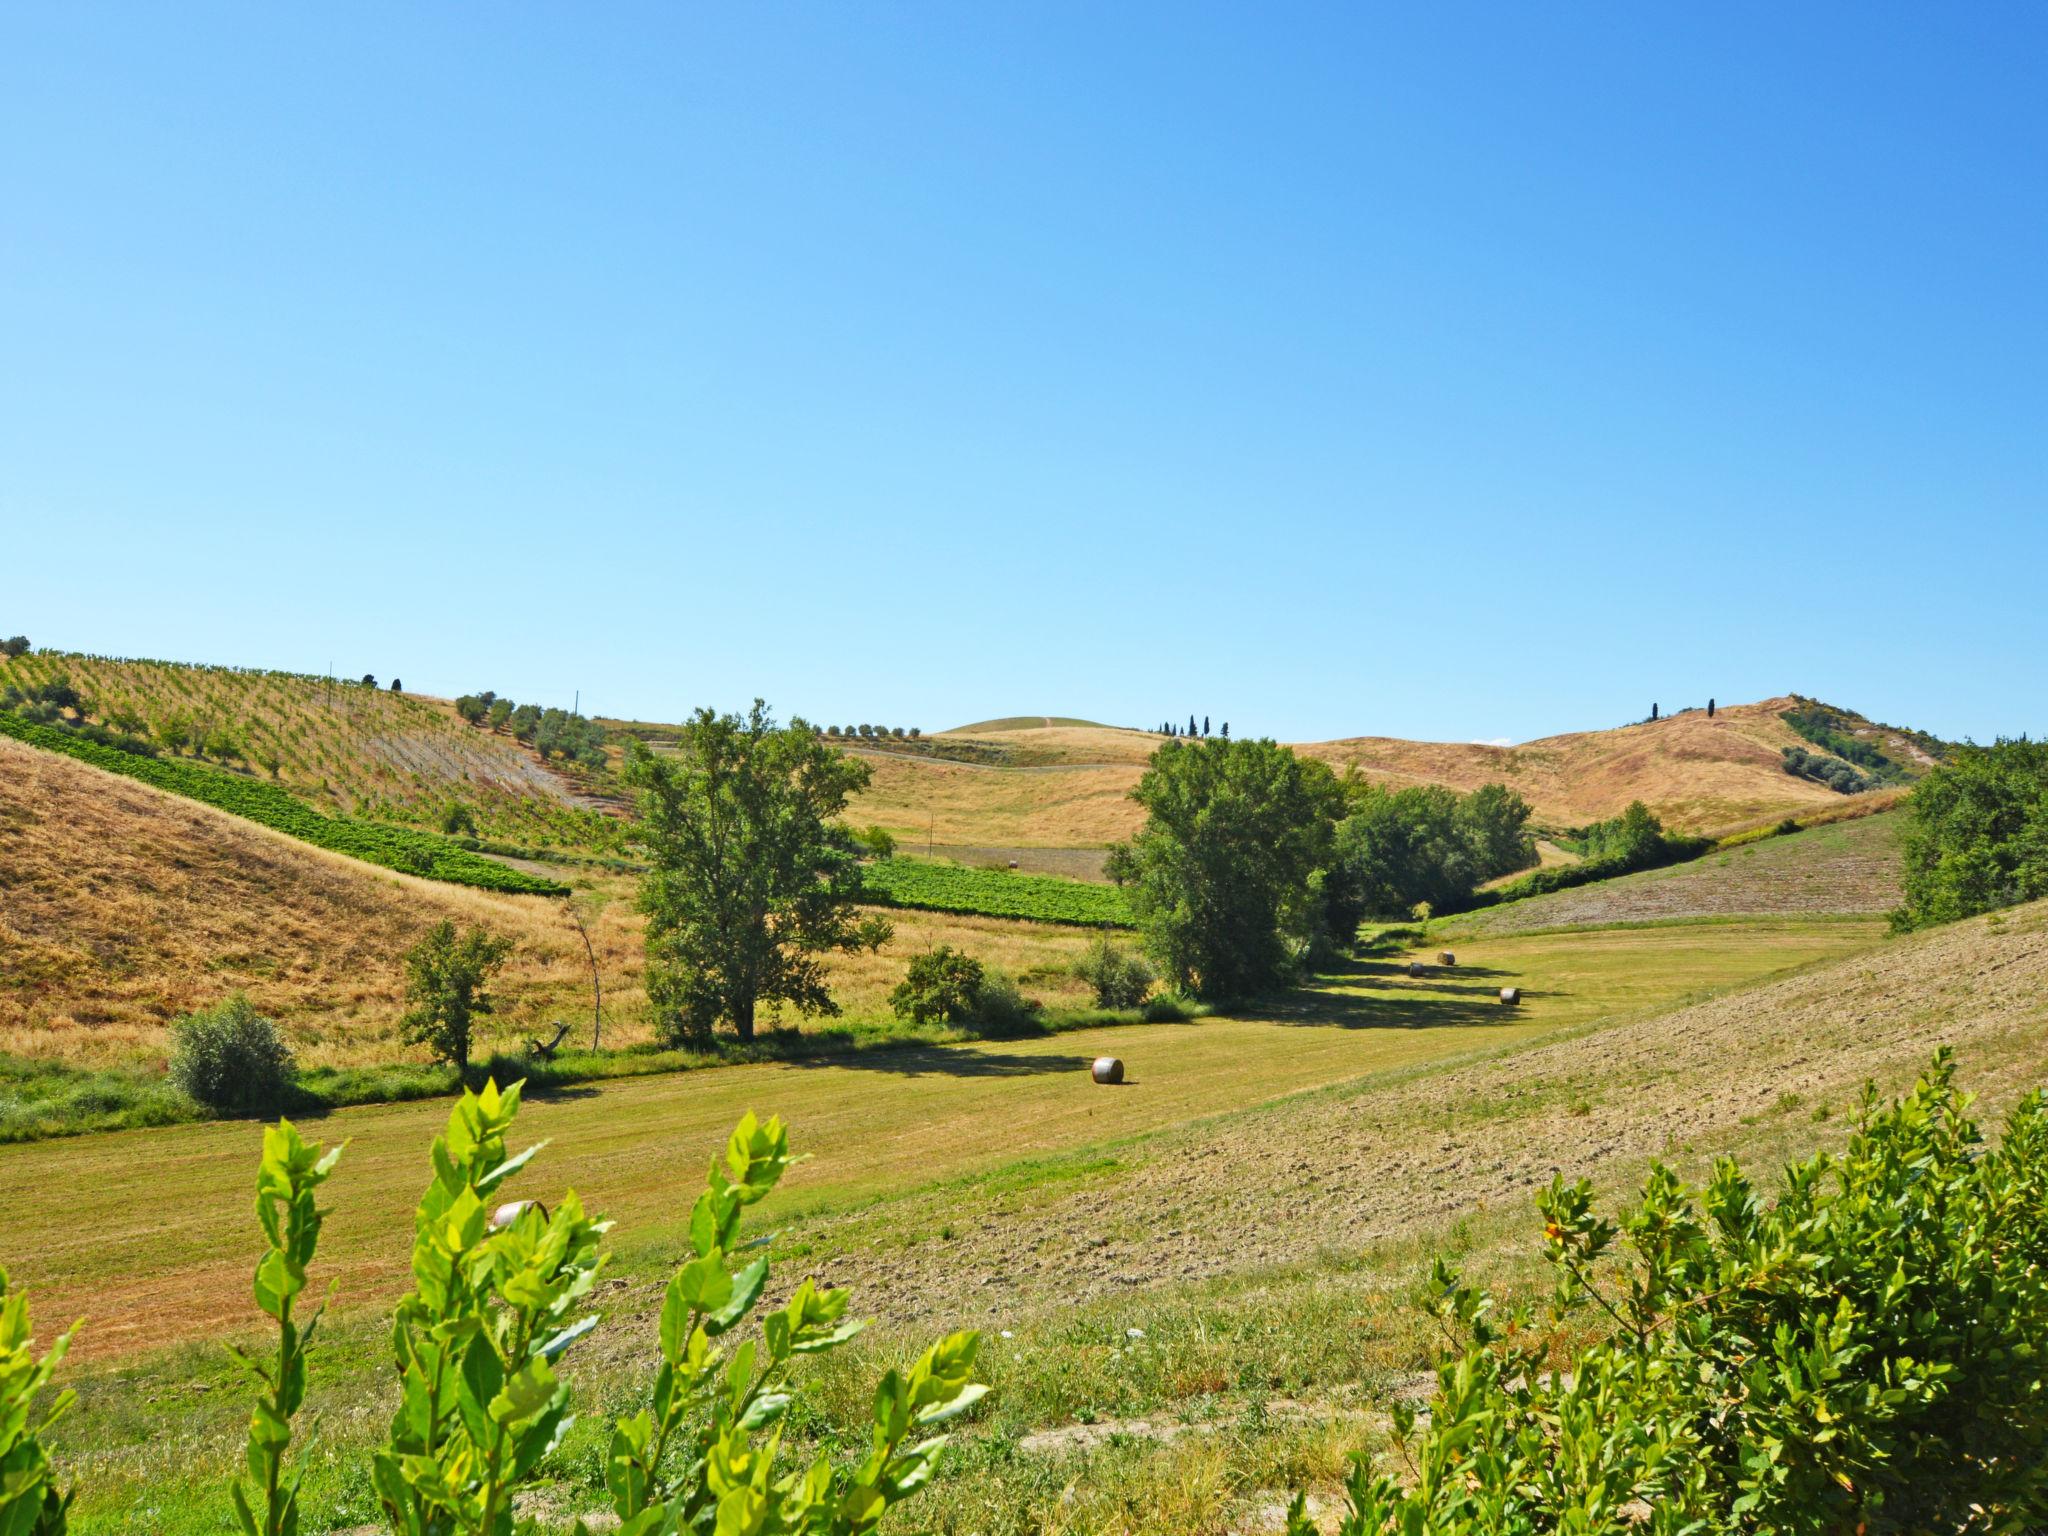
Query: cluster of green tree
point(1169, 728)
point(1827, 729)
point(553, 733)
point(1632, 841)
point(1425, 845)
point(13, 646)
point(1831, 771)
point(1978, 834)
point(57, 703)
point(502, 1290)
point(1253, 861)
point(873, 732)
point(1860, 1353)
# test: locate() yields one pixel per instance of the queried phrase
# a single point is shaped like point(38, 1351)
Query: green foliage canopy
point(1978, 835)
point(1222, 877)
point(752, 877)
point(445, 979)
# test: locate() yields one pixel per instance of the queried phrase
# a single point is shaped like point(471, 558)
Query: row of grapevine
point(415, 853)
point(994, 893)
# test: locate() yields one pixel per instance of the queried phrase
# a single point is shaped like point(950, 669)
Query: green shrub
point(1120, 976)
point(941, 986)
point(876, 842)
point(998, 1005)
point(1861, 1354)
point(232, 1059)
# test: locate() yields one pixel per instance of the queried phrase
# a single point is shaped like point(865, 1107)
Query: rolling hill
point(342, 747)
point(1025, 783)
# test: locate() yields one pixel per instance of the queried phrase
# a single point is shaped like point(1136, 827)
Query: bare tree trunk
point(596, 986)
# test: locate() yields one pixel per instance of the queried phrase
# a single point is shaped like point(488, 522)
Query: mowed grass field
point(148, 1234)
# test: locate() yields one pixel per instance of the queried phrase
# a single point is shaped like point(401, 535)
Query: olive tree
point(751, 877)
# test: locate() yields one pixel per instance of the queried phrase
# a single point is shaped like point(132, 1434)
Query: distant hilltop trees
point(872, 733)
point(1193, 731)
point(553, 733)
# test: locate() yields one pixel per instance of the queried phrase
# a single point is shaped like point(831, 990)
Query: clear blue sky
point(1433, 371)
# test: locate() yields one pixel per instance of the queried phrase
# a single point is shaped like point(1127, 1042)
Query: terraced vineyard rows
point(995, 893)
point(343, 748)
point(415, 853)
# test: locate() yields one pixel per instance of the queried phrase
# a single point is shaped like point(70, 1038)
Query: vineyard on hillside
point(994, 893)
point(414, 853)
point(349, 749)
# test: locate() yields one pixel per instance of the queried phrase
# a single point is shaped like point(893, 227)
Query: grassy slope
point(342, 747)
point(1268, 1256)
point(1849, 868)
point(167, 1266)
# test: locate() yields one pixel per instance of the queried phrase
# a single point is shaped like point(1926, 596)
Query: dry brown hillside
point(122, 907)
point(1065, 785)
point(1697, 774)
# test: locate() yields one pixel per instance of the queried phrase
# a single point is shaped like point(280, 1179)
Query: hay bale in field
point(1415, 967)
point(1510, 996)
point(1445, 957)
point(1108, 1069)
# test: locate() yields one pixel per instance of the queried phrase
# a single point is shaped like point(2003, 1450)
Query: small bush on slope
point(1864, 1354)
point(232, 1059)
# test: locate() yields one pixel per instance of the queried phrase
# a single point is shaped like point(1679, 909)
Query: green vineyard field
point(994, 893)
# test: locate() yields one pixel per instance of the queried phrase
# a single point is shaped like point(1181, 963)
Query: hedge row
point(414, 853)
point(918, 884)
point(1673, 849)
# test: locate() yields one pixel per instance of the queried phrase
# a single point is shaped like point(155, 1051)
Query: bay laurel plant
point(288, 1180)
point(501, 1289)
point(31, 1503)
point(1866, 1353)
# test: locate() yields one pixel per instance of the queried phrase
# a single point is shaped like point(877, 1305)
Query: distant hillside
point(1036, 785)
point(1698, 774)
point(122, 907)
point(1025, 723)
point(342, 746)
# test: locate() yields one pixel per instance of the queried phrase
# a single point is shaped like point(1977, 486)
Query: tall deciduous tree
point(1222, 876)
point(752, 879)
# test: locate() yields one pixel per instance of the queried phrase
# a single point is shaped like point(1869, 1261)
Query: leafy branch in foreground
point(30, 1503)
point(287, 1180)
point(496, 1300)
point(694, 1459)
point(1863, 1354)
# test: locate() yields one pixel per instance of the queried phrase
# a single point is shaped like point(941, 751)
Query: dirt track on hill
point(1336, 1172)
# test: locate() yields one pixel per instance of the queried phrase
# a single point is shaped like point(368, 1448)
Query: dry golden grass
point(1699, 775)
point(1046, 807)
point(122, 907)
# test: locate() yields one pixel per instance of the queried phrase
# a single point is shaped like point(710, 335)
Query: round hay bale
point(1107, 1069)
point(1415, 967)
point(1510, 996)
point(512, 1210)
point(1445, 957)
